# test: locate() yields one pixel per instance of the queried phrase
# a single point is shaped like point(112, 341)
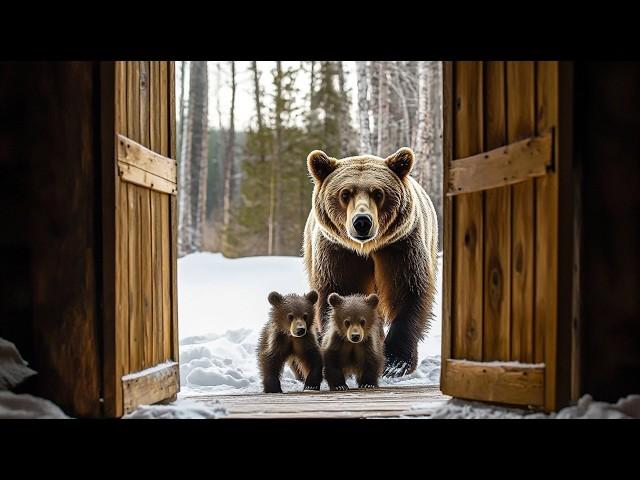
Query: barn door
point(504, 332)
point(142, 367)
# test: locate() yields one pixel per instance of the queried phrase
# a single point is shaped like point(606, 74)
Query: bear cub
point(353, 341)
point(289, 336)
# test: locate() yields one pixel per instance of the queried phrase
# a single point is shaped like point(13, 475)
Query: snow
point(222, 306)
point(21, 406)
point(587, 408)
point(180, 409)
point(13, 369)
point(498, 363)
point(149, 371)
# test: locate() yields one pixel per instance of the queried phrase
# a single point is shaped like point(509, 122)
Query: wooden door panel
point(501, 232)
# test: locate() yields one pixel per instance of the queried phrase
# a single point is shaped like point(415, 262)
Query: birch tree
point(229, 152)
point(363, 109)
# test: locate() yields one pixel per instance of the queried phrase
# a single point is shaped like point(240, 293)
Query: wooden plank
point(156, 384)
point(156, 258)
point(154, 105)
point(132, 174)
point(164, 107)
point(468, 217)
point(171, 98)
point(505, 383)
point(144, 104)
point(447, 234)
point(135, 296)
point(150, 161)
point(171, 95)
point(521, 124)
point(165, 257)
point(497, 232)
point(110, 92)
point(133, 100)
point(504, 165)
point(146, 262)
point(122, 275)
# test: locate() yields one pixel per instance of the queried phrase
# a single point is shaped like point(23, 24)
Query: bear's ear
point(401, 162)
point(372, 300)
point(312, 296)
point(335, 300)
point(320, 165)
point(275, 299)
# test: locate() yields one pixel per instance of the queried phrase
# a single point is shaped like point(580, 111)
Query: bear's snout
point(298, 328)
point(362, 224)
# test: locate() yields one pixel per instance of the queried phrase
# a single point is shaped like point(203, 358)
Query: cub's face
point(354, 316)
point(356, 199)
point(293, 313)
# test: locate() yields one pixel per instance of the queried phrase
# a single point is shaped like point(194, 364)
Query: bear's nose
point(355, 337)
point(301, 331)
point(362, 223)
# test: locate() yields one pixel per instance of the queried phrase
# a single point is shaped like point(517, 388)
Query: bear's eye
point(362, 322)
point(290, 316)
point(378, 195)
point(304, 316)
point(347, 323)
point(344, 195)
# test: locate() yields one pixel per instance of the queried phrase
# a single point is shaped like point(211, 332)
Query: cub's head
point(357, 199)
point(293, 314)
point(354, 316)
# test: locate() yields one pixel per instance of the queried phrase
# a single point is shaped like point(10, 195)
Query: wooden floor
point(385, 402)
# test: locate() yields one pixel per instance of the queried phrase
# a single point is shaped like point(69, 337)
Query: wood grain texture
point(497, 230)
point(502, 166)
point(173, 212)
point(517, 385)
point(146, 272)
point(150, 387)
point(137, 176)
point(137, 155)
point(521, 125)
point(468, 217)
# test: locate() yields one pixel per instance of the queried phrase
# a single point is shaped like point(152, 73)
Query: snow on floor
point(587, 408)
point(222, 305)
point(180, 409)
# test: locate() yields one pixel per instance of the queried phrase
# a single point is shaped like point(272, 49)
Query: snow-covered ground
point(222, 305)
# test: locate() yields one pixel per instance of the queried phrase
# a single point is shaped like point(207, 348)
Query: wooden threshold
point(384, 402)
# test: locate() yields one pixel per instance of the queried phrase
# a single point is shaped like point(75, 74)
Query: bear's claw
point(342, 387)
point(396, 368)
point(312, 387)
point(367, 385)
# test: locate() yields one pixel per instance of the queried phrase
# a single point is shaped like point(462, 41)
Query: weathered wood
point(502, 166)
point(142, 178)
point(521, 124)
point(497, 218)
point(133, 100)
point(468, 217)
point(506, 383)
point(389, 402)
point(165, 242)
point(142, 388)
point(135, 296)
point(137, 155)
point(163, 106)
point(144, 103)
point(448, 235)
point(174, 214)
point(146, 262)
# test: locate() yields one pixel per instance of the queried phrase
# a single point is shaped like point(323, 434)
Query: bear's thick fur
point(373, 229)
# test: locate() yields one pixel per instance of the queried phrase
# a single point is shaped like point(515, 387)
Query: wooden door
point(507, 233)
point(141, 347)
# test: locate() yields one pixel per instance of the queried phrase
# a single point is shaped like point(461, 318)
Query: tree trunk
point(275, 169)
point(373, 77)
point(363, 109)
point(184, 180)
point(229, 153)
point(422, 135)
point(345, 130)
point(182, 82)
point(383, 111)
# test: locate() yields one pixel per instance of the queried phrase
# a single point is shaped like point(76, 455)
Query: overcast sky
point(245, 105)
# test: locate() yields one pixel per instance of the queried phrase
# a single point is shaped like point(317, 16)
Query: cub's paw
point(272, 389)
point(367, 385)
point(312, 387)
point(341, 388)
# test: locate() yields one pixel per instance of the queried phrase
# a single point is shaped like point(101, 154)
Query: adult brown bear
point(373, 229)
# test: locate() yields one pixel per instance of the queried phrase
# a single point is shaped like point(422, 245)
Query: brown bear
point(289, 337)
point(352, 343)
point(373, 229)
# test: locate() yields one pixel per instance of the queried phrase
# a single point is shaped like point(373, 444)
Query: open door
point(507, 324)
point(141, 343)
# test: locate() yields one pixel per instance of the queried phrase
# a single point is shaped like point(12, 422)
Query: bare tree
point(275, 178)
point(363, 108)
point(229, 152)
point(383, 110)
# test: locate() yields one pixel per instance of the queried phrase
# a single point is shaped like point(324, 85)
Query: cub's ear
point(335, 300)
point(320, 165)
point(275, 299)
point(372, 300)
point(312, 296)
point(401, 162)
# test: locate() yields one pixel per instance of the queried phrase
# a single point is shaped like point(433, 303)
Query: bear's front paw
point(397, 368)
point(367, 385)
point(312, 387)
point(341, 387)
point(272, 389)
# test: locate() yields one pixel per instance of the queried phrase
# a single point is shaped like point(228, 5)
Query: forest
point(245, 130)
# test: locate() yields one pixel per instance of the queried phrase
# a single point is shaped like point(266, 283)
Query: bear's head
point(361, 202)
point(354, 316)
point(293, 314)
